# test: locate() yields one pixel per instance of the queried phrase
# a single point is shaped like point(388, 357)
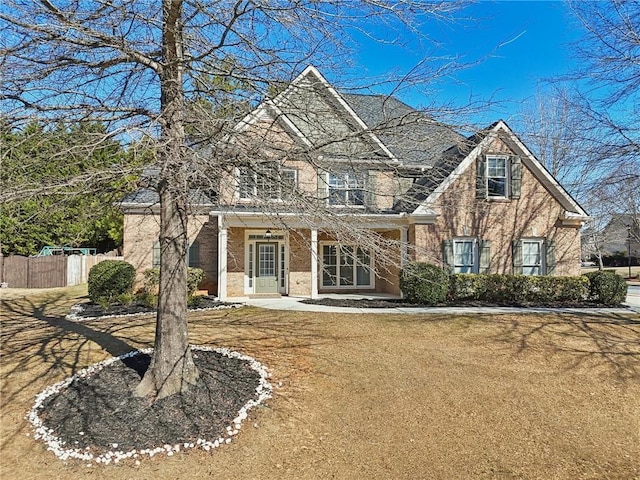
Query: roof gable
point(477, 144)
point(319, 117)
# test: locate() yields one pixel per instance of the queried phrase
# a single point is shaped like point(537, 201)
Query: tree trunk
point(172, 369)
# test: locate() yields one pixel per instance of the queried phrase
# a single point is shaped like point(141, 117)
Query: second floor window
point(266, 182)
point(497, 176)
point(346, 188)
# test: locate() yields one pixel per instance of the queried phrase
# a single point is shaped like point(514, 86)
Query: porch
point(264, 257)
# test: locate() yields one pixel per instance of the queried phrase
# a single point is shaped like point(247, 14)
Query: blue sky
point(518, 45)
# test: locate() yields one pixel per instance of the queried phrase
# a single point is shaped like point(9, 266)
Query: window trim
point(355, 286)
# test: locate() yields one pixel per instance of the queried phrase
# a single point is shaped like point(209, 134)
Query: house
point(619, 236)
point(333, 192)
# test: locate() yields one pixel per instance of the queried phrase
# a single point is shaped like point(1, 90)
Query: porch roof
point(316, 221)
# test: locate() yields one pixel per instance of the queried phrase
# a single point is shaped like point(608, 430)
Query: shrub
point(494, 288)
point(424, 283)
point(148, 299)
point(152, 281)
point(194, 278)
point(606, 287)
point(571, 289)
point(109, 279)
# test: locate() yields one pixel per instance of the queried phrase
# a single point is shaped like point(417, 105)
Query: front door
point(267, 271)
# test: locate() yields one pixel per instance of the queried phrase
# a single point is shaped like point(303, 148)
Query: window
point(193, 255)
point(346, 266)
point(288, 182)
point(497, 176)
point(250, 265)
point(467, 255)
point(346, 188)
point(283, 277)
point(463, 256)
point(534, 256)
point(531, 257)
point(155, 255)
point(268, 182)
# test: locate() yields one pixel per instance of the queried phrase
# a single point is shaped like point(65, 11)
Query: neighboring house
point(366, 184)
point(614, 237)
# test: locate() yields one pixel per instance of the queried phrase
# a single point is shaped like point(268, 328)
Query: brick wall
point(534, 214)
point(141, 231)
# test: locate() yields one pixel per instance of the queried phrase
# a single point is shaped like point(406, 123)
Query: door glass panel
point(267, 260)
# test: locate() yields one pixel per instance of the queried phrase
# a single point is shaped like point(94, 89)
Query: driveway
point(633, 296)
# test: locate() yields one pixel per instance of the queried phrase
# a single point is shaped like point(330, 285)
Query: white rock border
point(59, 448)
point(75, 310)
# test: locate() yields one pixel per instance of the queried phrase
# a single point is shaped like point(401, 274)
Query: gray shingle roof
point(413, 137)
point(145, 196)
point(442, 166)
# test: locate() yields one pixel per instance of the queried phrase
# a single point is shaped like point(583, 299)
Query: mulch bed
point(93, 310)
point(99, 413)
point(399, 303)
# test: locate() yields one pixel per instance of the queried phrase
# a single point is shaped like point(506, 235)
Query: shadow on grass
point(600, 339)
point(41, 347)
point(35, 333)
point(606, 340)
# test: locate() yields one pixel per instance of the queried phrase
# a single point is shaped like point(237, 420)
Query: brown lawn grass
point(365, 396)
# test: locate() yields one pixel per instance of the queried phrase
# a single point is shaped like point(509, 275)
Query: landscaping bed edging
point(57, 446)
point(76, 310)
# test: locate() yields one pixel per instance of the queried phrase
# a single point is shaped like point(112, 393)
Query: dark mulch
point(92, 310)
point(399, 303)
point(101, 410)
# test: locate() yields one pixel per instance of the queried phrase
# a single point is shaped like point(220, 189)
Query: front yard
point(357, 396)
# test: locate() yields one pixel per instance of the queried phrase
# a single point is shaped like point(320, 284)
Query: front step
point(264, 295)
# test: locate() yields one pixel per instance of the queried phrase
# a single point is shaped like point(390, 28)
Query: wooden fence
point(48, 272)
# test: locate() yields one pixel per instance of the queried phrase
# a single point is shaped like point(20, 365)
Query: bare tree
point(138, 67)
point(554, 125)
point(610, 74)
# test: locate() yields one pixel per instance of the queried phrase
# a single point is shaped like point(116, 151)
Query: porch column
point(222, 260)
point(314, 263)
point(404, 244)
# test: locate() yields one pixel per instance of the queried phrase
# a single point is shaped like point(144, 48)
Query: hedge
point(518, 289)
point(109, 279)
point(424, 283)
point(429, 284)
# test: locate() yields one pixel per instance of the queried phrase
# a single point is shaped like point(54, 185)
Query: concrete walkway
point(294, 304)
